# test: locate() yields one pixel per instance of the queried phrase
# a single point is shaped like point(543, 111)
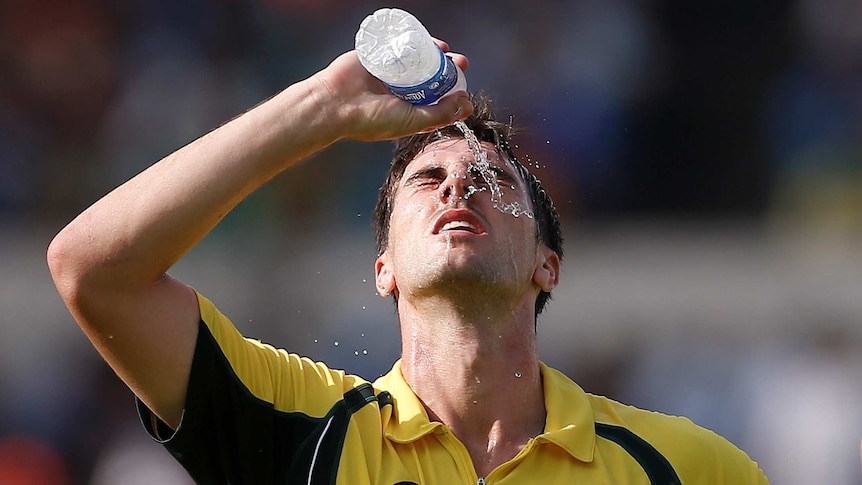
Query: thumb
point(451, 108)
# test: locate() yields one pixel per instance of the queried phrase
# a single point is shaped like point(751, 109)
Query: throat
point(467, 368)
point(501, 445)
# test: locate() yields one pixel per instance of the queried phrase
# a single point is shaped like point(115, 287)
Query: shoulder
point(606, 410)
point(287, 381)
point(698, 455)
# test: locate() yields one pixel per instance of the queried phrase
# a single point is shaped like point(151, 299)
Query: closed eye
point(499, 173)
point(426, 177)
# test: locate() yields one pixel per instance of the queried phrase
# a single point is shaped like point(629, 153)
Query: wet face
point(446, 235)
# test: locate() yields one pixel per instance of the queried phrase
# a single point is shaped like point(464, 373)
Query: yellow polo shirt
point(260, 415)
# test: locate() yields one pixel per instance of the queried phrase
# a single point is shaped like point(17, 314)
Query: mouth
point(458, 221)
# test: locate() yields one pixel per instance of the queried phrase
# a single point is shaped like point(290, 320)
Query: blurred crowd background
point(706, 158)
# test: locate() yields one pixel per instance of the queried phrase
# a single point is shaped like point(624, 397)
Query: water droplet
point(518, 375)
point(315, 340)
point(364, 351)
point(363, 307)
point(336, 343)
point(364, 280)
point(355, 352)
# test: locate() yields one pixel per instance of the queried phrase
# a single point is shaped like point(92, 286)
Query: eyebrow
point(501, 171)
point(426, 172)
point(437, 171)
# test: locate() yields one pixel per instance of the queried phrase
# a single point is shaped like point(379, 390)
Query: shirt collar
point(409, 420)
point(569, 423)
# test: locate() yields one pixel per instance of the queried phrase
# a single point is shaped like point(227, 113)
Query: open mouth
point(458, 226)
point(458, 220)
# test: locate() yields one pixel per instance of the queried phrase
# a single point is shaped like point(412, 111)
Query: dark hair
point(486, 128)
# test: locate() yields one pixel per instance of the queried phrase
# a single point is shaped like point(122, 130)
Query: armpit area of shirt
point(155, 427)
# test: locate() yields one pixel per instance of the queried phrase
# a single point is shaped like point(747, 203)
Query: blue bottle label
point(431, 91)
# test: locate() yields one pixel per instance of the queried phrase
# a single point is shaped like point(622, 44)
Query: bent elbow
point(65, 263)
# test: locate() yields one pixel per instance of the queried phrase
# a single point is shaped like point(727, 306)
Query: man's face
point(445, 232)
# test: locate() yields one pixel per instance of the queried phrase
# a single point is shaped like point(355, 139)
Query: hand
point(363, 108)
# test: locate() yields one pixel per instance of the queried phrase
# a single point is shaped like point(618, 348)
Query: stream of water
point(483, 166)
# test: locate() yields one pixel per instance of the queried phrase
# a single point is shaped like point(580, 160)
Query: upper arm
point(152, 352)
point(146, 333)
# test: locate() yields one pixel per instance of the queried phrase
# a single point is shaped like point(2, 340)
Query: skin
point(466, 300)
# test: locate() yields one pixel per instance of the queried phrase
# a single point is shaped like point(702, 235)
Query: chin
point(462, 273)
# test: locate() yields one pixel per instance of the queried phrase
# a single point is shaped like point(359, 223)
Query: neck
point(476, 373)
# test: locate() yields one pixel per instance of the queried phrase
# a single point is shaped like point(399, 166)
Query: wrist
point(293, 124)
point(332, 114)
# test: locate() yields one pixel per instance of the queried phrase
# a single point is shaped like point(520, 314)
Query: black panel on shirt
point(229, 436)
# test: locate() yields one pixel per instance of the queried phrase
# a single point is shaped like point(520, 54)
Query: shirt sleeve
point(250, 408)
point(702, 456)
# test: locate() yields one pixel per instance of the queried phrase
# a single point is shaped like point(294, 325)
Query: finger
point(442, 44)
point(460, 60)
point(460, 103)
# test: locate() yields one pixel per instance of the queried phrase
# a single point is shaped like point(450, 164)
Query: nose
point(458, 183)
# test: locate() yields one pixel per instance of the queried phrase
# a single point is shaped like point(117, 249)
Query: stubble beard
point(472, 283)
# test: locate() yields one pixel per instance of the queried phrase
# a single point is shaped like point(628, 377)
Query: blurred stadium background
point(706, 158)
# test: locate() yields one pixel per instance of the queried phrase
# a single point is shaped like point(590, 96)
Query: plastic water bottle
point(397, 49)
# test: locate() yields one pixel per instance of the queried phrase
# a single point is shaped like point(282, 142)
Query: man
point(469, 401)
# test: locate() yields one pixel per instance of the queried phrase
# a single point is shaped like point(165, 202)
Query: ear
point(547, 272)
point(383, 277)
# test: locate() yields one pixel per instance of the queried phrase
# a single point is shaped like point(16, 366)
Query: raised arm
point(109, 264)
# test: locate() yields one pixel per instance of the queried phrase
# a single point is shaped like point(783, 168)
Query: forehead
point(455, 150)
